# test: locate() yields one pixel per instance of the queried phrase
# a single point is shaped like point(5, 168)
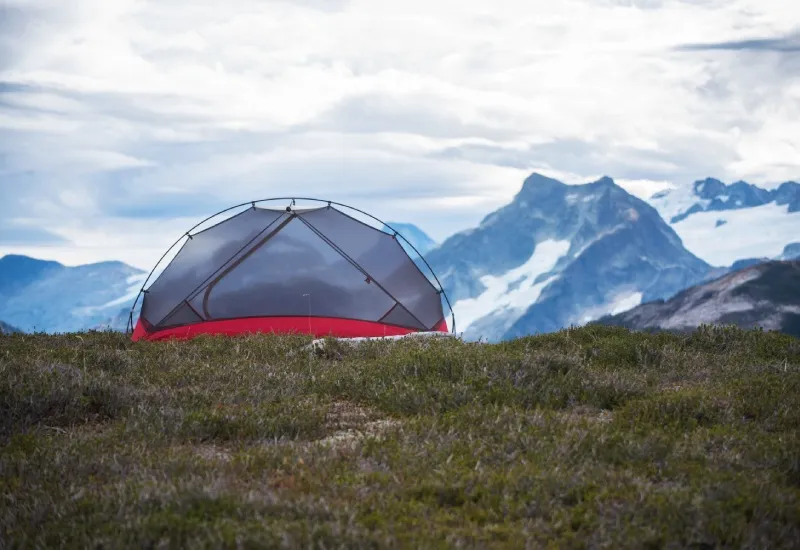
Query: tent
point(315, 270)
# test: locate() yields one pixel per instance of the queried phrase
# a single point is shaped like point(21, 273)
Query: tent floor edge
point(318, 327)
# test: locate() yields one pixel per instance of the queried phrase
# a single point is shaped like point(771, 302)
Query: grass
point(592, 437)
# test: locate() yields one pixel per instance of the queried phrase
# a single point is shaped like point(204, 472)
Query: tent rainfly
point(315, 271)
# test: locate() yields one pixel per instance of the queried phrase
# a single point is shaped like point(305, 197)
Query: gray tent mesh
point(316, 262)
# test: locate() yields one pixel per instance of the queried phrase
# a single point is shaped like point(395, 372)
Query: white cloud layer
point(117, 118)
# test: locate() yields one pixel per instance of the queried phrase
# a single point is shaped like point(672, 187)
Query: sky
point(125, 122)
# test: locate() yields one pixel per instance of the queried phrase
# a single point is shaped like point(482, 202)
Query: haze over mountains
point(556, 255)
point(45, 296)
point(5, 328)
point(414, 235)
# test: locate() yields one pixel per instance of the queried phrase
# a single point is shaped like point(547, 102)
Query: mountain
point(766, 295)
point(556, 255)
point(560, 255)
point(791, 252)
point(17, 271)
point(712, 195)
point(5, 328)
point(723, 223)
point(44, 296)
point(414, 235)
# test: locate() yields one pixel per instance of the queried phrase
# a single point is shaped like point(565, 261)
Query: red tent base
point(319, 327)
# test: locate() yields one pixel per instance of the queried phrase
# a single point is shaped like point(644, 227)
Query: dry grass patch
point(348, 423)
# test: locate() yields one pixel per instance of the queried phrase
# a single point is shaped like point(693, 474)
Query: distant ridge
point(765, 295)
point(5, 328)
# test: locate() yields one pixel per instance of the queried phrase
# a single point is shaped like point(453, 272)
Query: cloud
point(428, 114)
point(120, 117)
point(28, 235)
point(782, 44)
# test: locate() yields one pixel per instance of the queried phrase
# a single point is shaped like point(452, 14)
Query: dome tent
point(314, 270)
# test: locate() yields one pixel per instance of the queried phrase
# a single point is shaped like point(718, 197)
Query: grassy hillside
point(589, 437)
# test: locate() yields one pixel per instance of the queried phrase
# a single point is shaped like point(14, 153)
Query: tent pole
point(293, 199)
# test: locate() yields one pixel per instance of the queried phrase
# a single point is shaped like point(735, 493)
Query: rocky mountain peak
point(538, 185)
point(788, 193)
point(708, 188)
point(557, 250)
point(605, 181)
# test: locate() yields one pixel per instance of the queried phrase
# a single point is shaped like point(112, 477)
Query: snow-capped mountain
point(556, 255)
point(414, 235)
point(44, 296)
point(725, 223)
point(561, 255)
point(766, 295)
